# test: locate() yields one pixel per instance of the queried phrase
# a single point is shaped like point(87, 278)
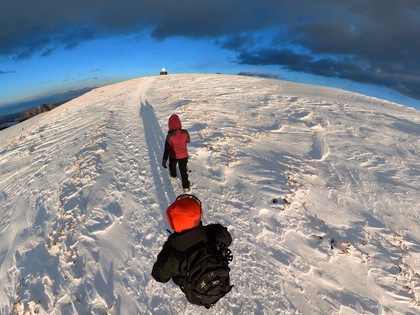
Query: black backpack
point(204, 274)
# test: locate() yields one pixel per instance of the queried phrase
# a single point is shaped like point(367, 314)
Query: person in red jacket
point(176, 150)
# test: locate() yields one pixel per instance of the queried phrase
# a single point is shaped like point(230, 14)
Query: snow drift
point(318, 186)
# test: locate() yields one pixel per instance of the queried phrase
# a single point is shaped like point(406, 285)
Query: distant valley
point(15, 113)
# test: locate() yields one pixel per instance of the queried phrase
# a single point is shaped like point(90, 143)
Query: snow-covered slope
point(319, 188)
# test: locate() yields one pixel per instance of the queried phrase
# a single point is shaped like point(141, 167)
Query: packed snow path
point(319, 188)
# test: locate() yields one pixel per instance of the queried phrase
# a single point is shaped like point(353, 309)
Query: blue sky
point(367, 46)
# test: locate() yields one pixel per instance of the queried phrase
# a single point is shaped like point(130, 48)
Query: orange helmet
point(184, 213)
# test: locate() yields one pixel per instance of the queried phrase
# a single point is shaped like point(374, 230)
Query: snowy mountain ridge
point(318, 186)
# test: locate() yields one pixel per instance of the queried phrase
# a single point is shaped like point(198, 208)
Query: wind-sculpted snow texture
point(319, 188)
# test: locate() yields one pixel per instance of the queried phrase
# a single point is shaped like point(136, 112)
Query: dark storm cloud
point(35, 26)
point(238, 41)
point(405, 81)
point(373, 42)
point(368, 41)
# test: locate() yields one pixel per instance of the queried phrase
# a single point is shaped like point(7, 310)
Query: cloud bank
point(375, 42)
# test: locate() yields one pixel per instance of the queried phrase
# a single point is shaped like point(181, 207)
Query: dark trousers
point(182, 163)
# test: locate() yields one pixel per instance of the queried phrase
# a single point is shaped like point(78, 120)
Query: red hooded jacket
point(176, 140)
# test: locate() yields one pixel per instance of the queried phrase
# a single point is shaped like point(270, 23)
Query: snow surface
point(318, 186)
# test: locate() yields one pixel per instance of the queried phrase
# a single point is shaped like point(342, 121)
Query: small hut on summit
point(163, 72)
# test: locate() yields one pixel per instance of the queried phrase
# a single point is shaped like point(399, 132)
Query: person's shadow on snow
point(155, 140)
